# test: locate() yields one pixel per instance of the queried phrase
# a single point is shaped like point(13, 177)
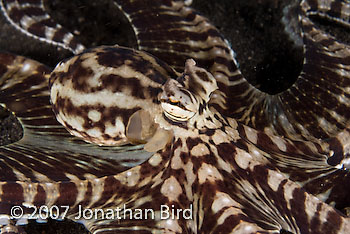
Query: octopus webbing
point(173, 125)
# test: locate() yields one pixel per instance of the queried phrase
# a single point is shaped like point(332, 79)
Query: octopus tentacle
point(31, 19)
point(231, 177)
point(338, 11)
point(292, 159)
point(307, 110)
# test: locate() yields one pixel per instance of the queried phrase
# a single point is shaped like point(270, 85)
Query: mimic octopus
point(174, 123)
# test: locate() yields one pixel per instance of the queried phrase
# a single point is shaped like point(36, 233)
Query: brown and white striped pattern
point(315, 107)
point(30, 17)
point(236, 179)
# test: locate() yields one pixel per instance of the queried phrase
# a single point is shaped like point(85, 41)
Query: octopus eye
point(178, 104)
point(177, 112)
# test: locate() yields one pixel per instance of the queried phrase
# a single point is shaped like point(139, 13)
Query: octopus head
point(182, 99)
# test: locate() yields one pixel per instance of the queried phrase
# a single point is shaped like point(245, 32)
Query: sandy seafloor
point(265, 54)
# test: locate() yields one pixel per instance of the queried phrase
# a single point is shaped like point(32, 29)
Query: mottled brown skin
point(238, 179)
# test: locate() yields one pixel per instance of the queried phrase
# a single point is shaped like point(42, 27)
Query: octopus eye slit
point(173, 101)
